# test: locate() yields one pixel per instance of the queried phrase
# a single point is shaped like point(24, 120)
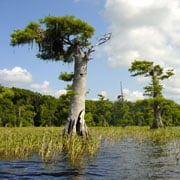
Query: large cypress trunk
point(157, 117)
point(157, 108)
point(76, 122)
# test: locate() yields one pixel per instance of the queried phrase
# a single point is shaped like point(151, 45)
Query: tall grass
point(139, 134)
point(46, 142)
point(22, 142)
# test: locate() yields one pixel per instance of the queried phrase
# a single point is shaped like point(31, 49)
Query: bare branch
point(104, 39)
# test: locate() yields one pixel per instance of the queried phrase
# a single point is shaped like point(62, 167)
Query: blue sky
point(140, 29)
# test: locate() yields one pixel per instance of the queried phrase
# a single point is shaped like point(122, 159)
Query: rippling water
point(123, 160)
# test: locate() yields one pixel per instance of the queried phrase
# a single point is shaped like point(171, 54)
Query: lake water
point(126, 159)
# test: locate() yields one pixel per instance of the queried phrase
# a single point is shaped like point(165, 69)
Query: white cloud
point(104, 93)
point(172, 87)
point(129, 95)
point(44, 88)
point(57, 93)
point(16, 75)
point(20, 77)
point(147, 30)
point(143, 29)
point(132, 95)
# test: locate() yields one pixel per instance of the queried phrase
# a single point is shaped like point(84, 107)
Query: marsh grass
point(76, 147)
point(21, 143)
point(138, 134)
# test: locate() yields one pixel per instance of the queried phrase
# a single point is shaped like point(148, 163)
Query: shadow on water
point(19, 169)
point(125, 159)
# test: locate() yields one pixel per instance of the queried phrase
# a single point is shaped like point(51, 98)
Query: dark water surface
point(121, 160)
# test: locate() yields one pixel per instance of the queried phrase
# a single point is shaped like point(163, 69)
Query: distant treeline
point(20, 107)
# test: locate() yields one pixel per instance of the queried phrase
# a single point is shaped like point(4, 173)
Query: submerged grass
point(18, 143)
point(139, 134)
point(46, 142)
point(22, 142)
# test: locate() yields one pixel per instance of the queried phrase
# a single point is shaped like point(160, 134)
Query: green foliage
point(20, 107)
point(48, 109)
point(62, 110)
point(66, 76)
point(142, 112)
point(89, 119)
point(25, 115)
point(140, 68)
point(57, 37)
point(5, 92)
point(7, 113)
point(156, 73)
point(121, 113)
point(102, 114)
point(28, 35)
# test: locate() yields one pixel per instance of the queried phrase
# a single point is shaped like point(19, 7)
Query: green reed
point(45, 142)
point(22, 142)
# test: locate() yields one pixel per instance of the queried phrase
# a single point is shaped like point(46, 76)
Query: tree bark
point(157, 109)
point(76, 122)
point(157, 117)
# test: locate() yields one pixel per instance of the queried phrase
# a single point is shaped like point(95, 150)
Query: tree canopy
point(157, 74)
point(57, 37)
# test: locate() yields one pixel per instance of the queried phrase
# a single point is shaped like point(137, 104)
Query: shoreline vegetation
point(47, 144)
point(24, 108)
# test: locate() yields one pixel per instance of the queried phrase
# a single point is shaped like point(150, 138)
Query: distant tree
point(142, 112)
point(47, 110)
point(154, 90)
point(24, 109)
point(36, 101)
point(103, 111)
point(121, 113)
point(7, 113)
point(7, 108)
point(19, 107)
point(63, 107)
point(90, 112)
point(6, 92)
point(25, 115)
point(170, 112)
point(64, 38)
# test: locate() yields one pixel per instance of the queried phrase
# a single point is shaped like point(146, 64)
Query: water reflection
point(126, 159)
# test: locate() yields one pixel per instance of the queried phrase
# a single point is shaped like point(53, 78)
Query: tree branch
point(106, 37)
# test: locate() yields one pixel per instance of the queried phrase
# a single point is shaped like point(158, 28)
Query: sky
point(141, 30)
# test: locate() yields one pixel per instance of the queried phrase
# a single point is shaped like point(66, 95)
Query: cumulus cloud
point(172, 86)
point(143, 29)
point(104, 93)
point(20, 77)
point(44, 88)
point(16, 75)
point(147, 30)
point(132, 95)
point(129, 95)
